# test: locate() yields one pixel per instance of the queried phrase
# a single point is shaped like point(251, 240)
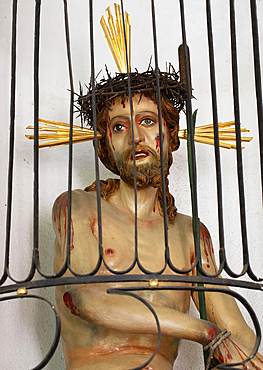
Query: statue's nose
point(138, 134)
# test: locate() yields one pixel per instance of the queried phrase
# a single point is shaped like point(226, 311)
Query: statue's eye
point(147, 122)
point(119, 127)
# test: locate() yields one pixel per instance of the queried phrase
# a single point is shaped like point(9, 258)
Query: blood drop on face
point(157, 144)
point(157, 139)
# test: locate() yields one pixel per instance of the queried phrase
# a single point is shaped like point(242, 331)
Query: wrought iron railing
point(11, 285)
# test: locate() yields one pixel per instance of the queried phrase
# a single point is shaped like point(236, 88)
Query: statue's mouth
point(140, 154)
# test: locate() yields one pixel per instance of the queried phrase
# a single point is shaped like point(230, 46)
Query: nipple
point(109, 252)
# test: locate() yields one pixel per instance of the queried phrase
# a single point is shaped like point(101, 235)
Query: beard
point(147, 174)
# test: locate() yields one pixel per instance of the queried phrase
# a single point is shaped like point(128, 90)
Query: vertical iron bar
point(190, 129)
point(160, 130)
point(257, 71)
point(238, 136)
point(133, 143)
point(216, 136)
point(36, 141)
point(95, 129)
point(192, 168)
point(70, 133)
point(11, 143)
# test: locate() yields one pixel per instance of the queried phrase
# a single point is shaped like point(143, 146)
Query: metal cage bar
point(145, 276)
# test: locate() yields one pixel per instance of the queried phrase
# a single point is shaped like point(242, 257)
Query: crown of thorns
point(141, 83)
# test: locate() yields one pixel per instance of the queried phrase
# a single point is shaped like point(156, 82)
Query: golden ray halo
point(56, 133)
point(115, 37)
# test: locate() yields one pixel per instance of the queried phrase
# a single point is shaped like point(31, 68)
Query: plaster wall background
point(27, 328)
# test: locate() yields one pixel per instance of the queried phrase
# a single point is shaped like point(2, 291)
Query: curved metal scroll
point(136, 296)
point(118, 276)
point(127, 291)
point(58, 326)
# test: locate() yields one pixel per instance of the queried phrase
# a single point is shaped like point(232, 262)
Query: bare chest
point(123, 244)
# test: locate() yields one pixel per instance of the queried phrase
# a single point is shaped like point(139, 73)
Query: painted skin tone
point(102, 331)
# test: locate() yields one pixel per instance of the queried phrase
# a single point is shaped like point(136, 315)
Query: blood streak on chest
point(208, 248)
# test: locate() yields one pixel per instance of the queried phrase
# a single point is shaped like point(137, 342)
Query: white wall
point(26, 330)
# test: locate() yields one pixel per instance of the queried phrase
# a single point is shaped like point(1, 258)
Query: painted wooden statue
point(102, 331)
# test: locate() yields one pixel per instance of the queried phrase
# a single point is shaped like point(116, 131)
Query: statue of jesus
point(105, 331)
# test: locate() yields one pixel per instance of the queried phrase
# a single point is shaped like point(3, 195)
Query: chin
point(148, 173)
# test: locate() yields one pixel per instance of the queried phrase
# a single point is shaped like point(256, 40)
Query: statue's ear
point(174, 139)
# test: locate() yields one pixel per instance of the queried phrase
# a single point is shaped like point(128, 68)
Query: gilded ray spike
point(56, 133)
point(227, 135)
point(114, 34)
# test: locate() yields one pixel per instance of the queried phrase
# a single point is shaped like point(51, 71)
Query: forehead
point(121, 107)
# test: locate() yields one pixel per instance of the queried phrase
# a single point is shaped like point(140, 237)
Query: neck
point(147, 200)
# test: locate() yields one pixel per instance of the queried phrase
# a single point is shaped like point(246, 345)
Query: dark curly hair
point(173, 96)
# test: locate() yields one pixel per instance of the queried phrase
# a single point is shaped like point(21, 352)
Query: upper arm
point(83, 242)
point(221, 308)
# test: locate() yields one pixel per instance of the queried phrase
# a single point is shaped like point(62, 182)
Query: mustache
point(128, 153)
point(147, 174)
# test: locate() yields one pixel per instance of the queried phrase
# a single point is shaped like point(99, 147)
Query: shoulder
point(183, 223)
point(183, 219)
point(80, 201)
point(78, 195)
point(204, 232)
point(182, 230)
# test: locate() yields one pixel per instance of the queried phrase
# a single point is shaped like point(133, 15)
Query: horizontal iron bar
point(130, 278)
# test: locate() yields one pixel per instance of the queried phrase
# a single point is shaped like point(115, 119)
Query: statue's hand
point(232, 350)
